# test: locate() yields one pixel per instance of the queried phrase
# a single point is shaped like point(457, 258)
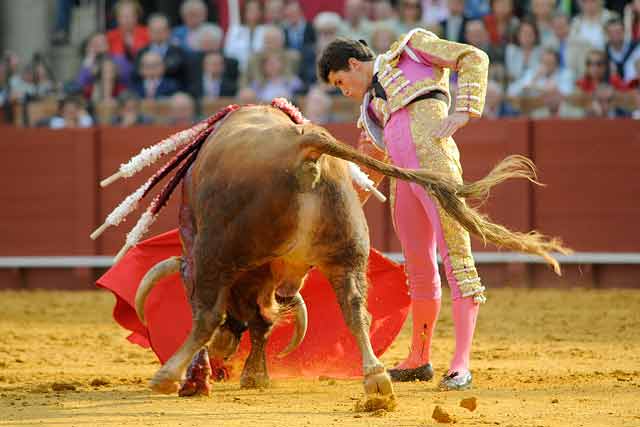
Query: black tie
point(377, 88)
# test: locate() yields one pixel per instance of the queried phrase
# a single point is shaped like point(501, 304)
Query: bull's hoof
point(378, 383)
point(163, 383)
point(194, 388)
point(255, 381)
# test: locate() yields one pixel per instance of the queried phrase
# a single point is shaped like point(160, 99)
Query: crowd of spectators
point(549, 58)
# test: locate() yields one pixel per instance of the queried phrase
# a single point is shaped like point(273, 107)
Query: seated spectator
point(174, 57)
point(632, 21)
point(194, 17)
point(246, 96)
point(598, 73)
point(298, 33)
point(621, 53)
point(214, 82)
point(452, 28)
point(274, 44)
point(274, 13)
point(105, 85)
point(356, 23)
point(95, 48)
point(182, 110)
point(496, 106)
point(153, 83)
point(588, 25)
point(602, 104)
point(34, 82)
point(476, 35)
point(634, 77)
point(501, 23)
point(434, 11)
point(382, 37)
point(548, 86)
point(129, 112)
point(275, 82)
point(327, 26)
point(542, 13)
point(476, 9)
point(71, 114)
point(245, 35)
point(317, 106)
point(128, 38)
point(209, 41)
point(635, 113)
point(572, 52)
point(524, 55)
point(409, 16)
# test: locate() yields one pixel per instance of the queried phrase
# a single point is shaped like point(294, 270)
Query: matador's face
point(353, 82)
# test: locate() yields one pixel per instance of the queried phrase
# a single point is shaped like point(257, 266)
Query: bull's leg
point(254, 374)
point(351, 290)
point(209, 313)
point(198, 374)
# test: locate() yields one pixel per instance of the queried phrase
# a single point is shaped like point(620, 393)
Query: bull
point(266, 200)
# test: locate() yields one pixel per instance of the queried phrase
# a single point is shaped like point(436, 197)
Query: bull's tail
point(451, 194)
point(159, 271)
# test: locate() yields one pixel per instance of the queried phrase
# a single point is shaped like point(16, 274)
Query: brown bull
point(261, 206)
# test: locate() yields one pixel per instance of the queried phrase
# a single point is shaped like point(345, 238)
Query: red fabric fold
point(328, 348)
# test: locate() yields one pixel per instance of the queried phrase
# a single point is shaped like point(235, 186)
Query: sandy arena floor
point(542, 358)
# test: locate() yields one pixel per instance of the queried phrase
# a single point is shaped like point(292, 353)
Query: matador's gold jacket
point(418, 63)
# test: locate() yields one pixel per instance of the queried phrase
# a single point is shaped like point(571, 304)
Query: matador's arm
point(366, 146)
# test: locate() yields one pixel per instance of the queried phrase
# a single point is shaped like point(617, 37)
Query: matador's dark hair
point(335, 56)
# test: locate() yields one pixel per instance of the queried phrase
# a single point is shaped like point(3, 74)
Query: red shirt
point(117, 46)
point(588, 85)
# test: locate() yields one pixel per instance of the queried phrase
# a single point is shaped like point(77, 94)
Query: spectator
point(382, 36)
point(452, 28)
point(274, 12)
point(317, 106)
point(246, 34)
point(572, 52)
point(173, 56)
point(95, 48)
point(214, 82)
point(105, 85)
point(525, 54)
point(632, 20)
point(542, 13)
point(602, 104)
point(409, 16)
point(154, 84)
point(501, 24)
point(433, 11)
point(634, 77)
point(496, 106)
point(356, 24)
point(34, 81)
point(299, 34)
point(635, 113)
point(246, 96)
point(588, 26)
point(128, 37)
point(476, 9)
point(382, 12)
point(63, 20)
point(4, 83)
point(621, 53)
point(598, 73)
point(476, 35)
point(209, 41)
point(194, 16)
point(327, 26)
point(71, 114)
point(129, 113)
point(273, 45)
point(275, 83)
point(182, 110)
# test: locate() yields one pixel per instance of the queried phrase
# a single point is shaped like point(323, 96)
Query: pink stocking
point(465, 313)
point(425, 315)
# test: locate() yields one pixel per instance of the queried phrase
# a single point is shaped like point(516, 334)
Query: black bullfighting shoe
point(455, 381)
point(421, 373)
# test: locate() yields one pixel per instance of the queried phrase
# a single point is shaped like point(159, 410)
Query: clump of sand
point(470, 403)
point(441, 416)
point(376, 403)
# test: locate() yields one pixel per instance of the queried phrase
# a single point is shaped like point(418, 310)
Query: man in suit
point(173, 56)
point(298, 33)
point(209, 41)
point(153, 83)
point(452, 28)
point(213, 83)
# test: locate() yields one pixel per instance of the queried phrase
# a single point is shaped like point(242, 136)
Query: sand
point(541, 358)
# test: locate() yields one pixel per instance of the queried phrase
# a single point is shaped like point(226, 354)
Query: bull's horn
point(300, 308)
point(157, 272)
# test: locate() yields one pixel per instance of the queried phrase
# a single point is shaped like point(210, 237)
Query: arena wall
point(51, 200)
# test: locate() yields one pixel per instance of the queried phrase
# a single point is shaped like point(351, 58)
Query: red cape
point(328, 348)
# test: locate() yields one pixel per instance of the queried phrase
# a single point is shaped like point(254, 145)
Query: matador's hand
point(450, 124)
